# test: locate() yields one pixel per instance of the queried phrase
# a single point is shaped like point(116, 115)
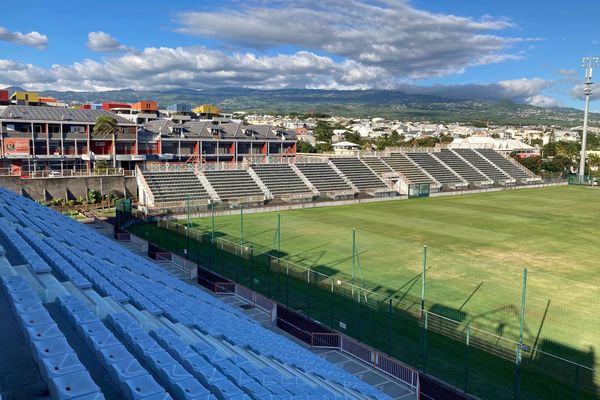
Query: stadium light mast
point(589, 63)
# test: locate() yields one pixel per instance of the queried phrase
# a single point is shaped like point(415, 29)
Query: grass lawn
point(478, 246)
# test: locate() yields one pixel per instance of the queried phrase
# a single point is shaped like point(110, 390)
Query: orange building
point(145, 106)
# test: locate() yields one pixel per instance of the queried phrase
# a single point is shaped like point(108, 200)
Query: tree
point(353, 137)
point(323, 132)
point(107, 126)
point(305, 147)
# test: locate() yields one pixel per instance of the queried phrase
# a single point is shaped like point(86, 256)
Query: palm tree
point(105, 126)
point(593, 161)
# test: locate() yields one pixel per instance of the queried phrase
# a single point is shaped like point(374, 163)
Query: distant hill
point(349, 103)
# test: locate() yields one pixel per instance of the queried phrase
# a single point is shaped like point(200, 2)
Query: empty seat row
point(59, 366)
point(435, 168)
point(232, 184)
point(504, 164)
point(461, 167)
point(482, 164)
point(133, 380)
point(358, 173)
point(280, 179)
point(175, 186)
point(324, 178)
point(400, 163)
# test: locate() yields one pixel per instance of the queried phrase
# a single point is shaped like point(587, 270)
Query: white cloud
point(102, 41)
point(32, 39)
point(409, 43)
point(542, 101)
point(197, 67)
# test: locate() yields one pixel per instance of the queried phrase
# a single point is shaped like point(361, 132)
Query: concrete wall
point(69, 188)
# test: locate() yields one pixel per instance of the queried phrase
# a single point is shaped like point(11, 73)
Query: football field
point(478, 246)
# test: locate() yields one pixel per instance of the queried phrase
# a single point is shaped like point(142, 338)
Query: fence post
point(269, 278)
point(577, 371)
point(520, 344)
point(389, 338)
point(251, 260)
point(424, 343)
point(308, 294)
point(423, 280)
point(331, 305)
point(467, 340)
point(287, 286)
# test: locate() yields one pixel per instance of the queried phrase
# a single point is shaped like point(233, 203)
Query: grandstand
point(326, 180)
point(485, 166)
point(100, 321)
point(468, 172)
point(281, 180)
point(411, 172)
point(336, 177)
point(519, 173)
point(168, 186)
point(360, 175)
point(440, 171)
point(234, 185)
point(377, 165)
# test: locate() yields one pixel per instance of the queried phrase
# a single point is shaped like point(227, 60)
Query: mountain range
point(393, 104)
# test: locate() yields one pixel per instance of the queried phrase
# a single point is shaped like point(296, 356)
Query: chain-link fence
point(490, 333)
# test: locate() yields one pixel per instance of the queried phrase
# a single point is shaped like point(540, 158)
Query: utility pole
point(588, 63)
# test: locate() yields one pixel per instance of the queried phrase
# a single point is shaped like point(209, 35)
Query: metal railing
point(368, 355)
point(69, 173)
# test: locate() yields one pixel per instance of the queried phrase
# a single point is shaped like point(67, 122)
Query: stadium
point(395, 275)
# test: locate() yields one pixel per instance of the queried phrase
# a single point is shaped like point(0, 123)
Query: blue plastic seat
point(159, 396)
point(141, 387)
point(173, 373)
point(83, 318)
point(14, 284)
point(29, 307)
point(92, 329)
point(158, 360)
point(35, 319)
point(51, 348)
point(190, 389)
point(103, 341)
point(73, 385)
point(122, 322)
point(113, 354)
point(256, 391)
point(63, 364)
point(136, 336)
point(43, 332)
point(125, 369)
point(224, 389)
point(91, 396)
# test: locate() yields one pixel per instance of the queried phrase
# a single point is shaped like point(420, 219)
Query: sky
point(526, 51)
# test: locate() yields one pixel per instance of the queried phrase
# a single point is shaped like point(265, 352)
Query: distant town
point(41, 133)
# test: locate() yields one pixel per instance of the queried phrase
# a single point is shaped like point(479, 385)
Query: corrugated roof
point(57, 114)
point(204, 129)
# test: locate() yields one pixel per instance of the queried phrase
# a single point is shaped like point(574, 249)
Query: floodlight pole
point(588, 63)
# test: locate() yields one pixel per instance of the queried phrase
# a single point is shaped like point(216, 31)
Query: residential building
point(34, 138)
